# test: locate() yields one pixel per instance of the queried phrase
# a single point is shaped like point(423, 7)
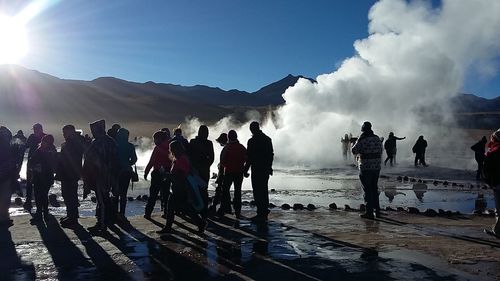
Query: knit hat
point(367, 126)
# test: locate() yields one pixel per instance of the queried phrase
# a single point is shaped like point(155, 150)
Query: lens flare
point(13, 41)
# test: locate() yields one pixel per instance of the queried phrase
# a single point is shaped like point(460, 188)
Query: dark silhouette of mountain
point(28, 96)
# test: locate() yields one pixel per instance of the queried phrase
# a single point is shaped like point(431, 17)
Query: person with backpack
point(419, 150)
point(233, 158)
point(69, 173)
point(43, 164)
point(179, 200)
point(100, 172)
point(127, 157)
point(161, 164)
point(479, 150)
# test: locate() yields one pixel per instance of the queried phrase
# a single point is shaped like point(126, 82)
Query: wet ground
point(318, 245)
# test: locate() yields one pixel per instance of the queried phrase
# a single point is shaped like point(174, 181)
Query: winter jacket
point(43, 164)
point(160, 158)
point(491, 168)
point(32, 143)
point(368, 148)
point(420, 146)
point(233, 157)
point(179, 172)
point(69, 166)
point(479, 150)
point(260, 153)
point(201, 153)
point(100, 167)
point(126, 151)
point(7, 163)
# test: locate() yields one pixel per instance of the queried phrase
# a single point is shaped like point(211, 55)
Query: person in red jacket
point(161, 164)
point(233, 159)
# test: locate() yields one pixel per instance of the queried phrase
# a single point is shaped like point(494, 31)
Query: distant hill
point(28, 96)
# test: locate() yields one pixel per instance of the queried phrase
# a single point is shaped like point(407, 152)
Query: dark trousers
point(178, 202)
point(479, 172)
point(103, 211)
point(42, 198)
point(229, 179)
point(260, 189)
point(390, 157)
point(496, 227)
point(29, 186)
point(69, 190)
point(369, 181)
point(420, 158)
point(159, 185)
point(121, 195)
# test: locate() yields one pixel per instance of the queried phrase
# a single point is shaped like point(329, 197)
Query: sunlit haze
point(13, 41)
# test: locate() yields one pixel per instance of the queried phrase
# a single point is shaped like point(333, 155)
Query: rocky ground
point(295, 245)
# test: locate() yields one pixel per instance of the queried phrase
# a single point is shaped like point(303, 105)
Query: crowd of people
point(180, 172)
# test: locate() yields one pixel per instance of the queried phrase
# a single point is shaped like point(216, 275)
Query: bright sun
point(13, 42)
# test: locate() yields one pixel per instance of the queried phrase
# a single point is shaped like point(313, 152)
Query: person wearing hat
point(368, 149)
point(100, 173)
point(491, 174)
point(222, 140)
point(7, 174)
point(32, 144)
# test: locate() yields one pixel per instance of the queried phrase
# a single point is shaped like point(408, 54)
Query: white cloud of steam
point(415, 56)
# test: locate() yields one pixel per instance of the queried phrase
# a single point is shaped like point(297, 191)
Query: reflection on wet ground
point(229, 250)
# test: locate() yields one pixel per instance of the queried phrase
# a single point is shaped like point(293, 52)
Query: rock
point(405, 178)
point(271, 206)
point(441, 212)
point(362, 207)
point(435, 182)
point(430, 213)
point(484, 187)
point(311, 207)
point(245, 203)
point(448, 213)
point(453, 184)
point(457, 213)
point(445, 183)
point(419, 181)
point(298, 206)
point(18, 201)
point(460, 185)
point(400, 209)
point(383, 176)
point(138, 198)
point(400, 178)
point(491, 212)
point(273, 190)
point(347, 207)
point(285, 207)
point(413, 210)
point(130, 198)
point(413, 180)
point(332, 206)
point(389, 209)
point(93, 199)
point(424, 181)
point(252, 203)
point(144, 197)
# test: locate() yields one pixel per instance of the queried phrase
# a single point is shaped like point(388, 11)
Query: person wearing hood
point(100, 171)
point(201, 154)
point(127, 157)
point(491, 175)
point(368, 149)
point(479, 150)
point(43, 165)
point(180, 138)
point(161, 164)
point(233, 158)
point(32, 144)
point(7, 174)
point(113, 131)
point(419, 150)
point(391, 148)
point(69, 172)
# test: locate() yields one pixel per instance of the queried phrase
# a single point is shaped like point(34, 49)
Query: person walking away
point(7, 175)
point(260, 155)
point(43, 165)
point(390, 148)
point(222, 140)
point(201, 154)
point(491, 176)
point(100, 173)
point(127, 157)
point(69, 172)
point(368, 149)
point(161, 164)
point(19, 146)
point(479, 150)
point(178, 201)
point(233, 158)
point(419, 150)
point(180, 138)
point(32, 144)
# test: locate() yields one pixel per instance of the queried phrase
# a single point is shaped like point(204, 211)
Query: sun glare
point(13, 41)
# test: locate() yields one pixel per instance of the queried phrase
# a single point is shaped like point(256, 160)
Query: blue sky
point(230, 44)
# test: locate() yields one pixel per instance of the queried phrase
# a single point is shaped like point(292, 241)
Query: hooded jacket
point(70, 158)
point(126, 151)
